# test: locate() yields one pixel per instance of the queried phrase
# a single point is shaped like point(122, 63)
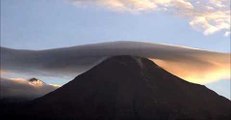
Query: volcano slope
point(128, 87)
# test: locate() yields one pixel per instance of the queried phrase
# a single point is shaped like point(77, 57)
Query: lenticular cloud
point(194, 65)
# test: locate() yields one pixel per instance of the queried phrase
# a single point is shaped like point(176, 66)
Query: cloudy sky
point(45, 24)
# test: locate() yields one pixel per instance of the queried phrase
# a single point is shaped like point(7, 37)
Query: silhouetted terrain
point(127, 87)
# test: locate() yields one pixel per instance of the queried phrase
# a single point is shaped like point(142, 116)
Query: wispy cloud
point(194, 65)
point(2, 72)
point(208, 16)
point(202, 71)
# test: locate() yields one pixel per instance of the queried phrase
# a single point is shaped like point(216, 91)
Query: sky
point(45, 24)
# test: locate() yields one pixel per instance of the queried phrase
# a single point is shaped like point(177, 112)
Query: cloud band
point(194, 65)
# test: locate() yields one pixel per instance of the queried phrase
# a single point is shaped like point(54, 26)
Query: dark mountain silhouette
point(15, 93)
point(127, 87)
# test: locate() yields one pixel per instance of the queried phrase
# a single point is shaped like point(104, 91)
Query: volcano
point(128, 87)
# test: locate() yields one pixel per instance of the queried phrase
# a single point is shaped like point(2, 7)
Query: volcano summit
point(128, 87)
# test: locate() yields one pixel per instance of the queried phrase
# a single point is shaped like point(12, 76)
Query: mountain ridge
point(128, 87)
